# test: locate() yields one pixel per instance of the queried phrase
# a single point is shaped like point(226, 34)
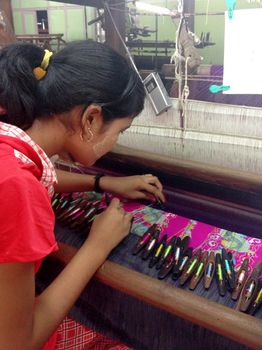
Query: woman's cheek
point(104, 146)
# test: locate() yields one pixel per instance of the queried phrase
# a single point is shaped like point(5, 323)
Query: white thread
point(185, 94)
point(219, 150)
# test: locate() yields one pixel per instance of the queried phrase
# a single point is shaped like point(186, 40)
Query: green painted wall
point(70, 20)
point(215, 25)
point(30, 23)
point(33, 3)
point(57, 21)
point(166, 27)
point(18, 23)
point(62, 18)
point(74, 17)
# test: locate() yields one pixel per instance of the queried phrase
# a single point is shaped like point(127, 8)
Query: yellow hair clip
point(40, 71)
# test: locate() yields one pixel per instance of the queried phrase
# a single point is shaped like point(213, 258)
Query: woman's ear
point(91, 122)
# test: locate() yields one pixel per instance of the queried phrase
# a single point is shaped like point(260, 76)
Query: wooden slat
point(199, 171)
point(218, 196)
point(213, 211)
point(115, 16)
point(203, 312)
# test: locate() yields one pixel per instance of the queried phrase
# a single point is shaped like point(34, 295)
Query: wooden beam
point(218, 318)
point(91, 3)
point(232, 178)
point(219, 196)
point(117, 10)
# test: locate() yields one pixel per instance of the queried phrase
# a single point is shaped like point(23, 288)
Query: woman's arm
point(132, 187)
point(25, 322)
point(74, 182)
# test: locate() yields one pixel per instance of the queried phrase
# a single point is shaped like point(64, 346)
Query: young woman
point(75, 102)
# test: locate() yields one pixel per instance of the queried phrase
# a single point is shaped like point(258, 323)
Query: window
point(42, 22)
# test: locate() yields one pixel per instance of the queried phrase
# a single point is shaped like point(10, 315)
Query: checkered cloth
point(49, 175)
point(74, 336)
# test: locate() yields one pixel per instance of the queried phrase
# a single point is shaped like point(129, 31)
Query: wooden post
point(6, 24)
point(189, 7)
point(117, 10)
point(5, 5)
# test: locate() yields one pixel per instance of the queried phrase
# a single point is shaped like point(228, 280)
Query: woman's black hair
point(83, 73)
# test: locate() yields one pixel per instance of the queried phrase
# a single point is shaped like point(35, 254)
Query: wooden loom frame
point(227, 322)
point(218, 318)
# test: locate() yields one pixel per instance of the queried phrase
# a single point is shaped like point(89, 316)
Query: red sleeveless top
point(26, 216)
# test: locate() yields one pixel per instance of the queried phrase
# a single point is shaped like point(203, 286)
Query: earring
point(91, 135)
point(88, 139)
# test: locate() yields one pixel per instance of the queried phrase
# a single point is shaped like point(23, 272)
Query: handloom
point(122, 317)
point(154, 225)
point(150, 314)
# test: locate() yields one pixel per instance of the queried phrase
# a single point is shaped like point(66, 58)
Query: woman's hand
point(134, 187)
point(109, 227)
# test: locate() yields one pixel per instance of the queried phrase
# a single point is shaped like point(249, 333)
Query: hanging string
point(185, 94)
point(176, 58)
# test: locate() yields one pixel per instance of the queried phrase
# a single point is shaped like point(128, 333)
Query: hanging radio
point(157, 93)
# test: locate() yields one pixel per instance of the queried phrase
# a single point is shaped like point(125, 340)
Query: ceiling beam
point(91, 3)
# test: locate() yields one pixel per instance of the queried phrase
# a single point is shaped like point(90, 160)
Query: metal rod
point(156, 41)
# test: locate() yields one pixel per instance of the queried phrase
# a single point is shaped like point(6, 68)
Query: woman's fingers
point(144, 195)
point(129, 217)
point(153, 180)
point(114, 202)
point(145, 186)
point(117, 205)
point(150, 193)
point(152, 185)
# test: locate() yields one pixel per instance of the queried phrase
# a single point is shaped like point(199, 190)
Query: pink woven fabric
point(202, 235)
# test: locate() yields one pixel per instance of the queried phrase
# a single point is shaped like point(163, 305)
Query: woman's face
point(106, 140)
point(97, 139)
